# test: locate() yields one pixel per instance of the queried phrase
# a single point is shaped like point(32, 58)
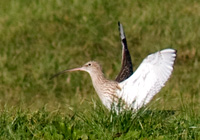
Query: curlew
point(137, 90)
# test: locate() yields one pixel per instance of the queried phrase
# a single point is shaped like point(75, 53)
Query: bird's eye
point(89, 64)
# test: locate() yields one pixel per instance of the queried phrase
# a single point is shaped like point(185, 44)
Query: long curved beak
point(64, 71)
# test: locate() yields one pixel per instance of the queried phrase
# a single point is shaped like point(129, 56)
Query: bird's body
point(105, 89)
point(139, 88)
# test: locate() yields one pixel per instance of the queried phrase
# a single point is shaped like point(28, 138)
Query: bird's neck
point(98, 79)
point(106, 89)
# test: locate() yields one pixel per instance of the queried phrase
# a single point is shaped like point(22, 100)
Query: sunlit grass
point(98, 123)
point(39, 38)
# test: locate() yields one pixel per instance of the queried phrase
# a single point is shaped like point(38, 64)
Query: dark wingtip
point(119, 23)
point(176, 51)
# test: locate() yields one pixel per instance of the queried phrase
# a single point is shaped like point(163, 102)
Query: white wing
point(148, 79)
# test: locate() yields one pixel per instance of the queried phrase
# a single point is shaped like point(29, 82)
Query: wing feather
point(148, 79)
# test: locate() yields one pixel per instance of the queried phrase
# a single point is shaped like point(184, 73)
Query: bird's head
point(90, 67)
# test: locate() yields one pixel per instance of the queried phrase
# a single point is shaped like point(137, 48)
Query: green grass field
point(39, 38)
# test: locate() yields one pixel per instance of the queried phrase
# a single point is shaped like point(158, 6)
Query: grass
point(39, 38)
point(97, 124)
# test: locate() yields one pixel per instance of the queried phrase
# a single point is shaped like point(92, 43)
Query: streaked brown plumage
point(105, 89)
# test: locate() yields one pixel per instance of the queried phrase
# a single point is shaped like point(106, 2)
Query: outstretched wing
point(148, 79)
point(126, 68)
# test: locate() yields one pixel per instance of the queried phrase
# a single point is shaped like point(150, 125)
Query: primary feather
point(126, 68)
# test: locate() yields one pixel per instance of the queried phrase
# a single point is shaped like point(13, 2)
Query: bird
point(137, 90)
point(126, 67)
